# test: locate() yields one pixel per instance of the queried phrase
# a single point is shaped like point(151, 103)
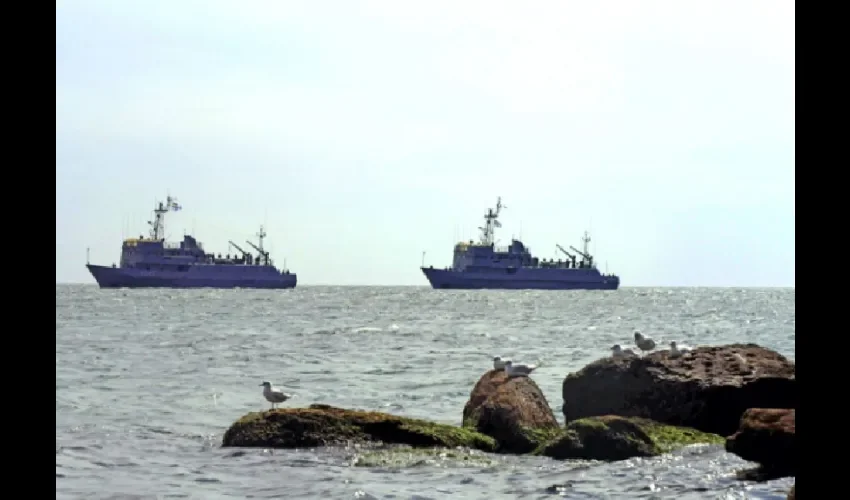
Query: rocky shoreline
point(615, 409)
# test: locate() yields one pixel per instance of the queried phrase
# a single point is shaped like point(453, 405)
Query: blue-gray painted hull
point(195, 277)
point(520, 279)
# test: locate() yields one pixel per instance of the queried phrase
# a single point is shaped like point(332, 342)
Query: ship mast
point(157, 231)
point(586, 240)
point(264, 256)
point(588, 259)
point(261, 235)
point(492, 222)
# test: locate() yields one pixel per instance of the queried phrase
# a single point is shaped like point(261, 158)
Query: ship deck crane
point(568, 254)
point(263, 253)
point(237, 247)
point(248, 256)
point(586, 257)
point(586, 254)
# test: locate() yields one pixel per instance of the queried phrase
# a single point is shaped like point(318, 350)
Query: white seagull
point(619, 352)
point(518, 370)
point(274, 395)
point(499, 362)
point(676, 351)
point(643, 343)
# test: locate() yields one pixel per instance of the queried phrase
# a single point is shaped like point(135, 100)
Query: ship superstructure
point(152, 262)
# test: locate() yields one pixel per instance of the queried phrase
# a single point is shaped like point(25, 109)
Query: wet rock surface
point(766, 436)
point(512, 410)
point(612, 437)
point(708, 388)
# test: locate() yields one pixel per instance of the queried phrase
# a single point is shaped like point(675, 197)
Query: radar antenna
point(492, 222)
point(157, 231)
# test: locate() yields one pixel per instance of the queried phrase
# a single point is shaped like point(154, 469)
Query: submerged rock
point(612, 437)
point(321, 425)
point(513, 411)
point(404, 456)
point(707, 389)
point(767, 436)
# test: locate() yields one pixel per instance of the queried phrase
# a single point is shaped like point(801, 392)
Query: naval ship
point(154, 263)
point(482, 265)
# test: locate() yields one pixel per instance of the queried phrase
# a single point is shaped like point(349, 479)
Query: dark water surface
point(147, 381)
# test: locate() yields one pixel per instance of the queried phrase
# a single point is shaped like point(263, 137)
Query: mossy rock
point(512, 410)
point(670, 437)
point(322, 425)
point(531, 438)
point(403, 456)
point(540, 436)
point(612, 438)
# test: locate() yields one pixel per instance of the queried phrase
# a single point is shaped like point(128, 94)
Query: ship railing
point(171, 245)
point(502, 249)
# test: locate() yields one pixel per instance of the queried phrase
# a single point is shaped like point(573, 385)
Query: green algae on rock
point(321, 425)
point(612, 437)
point(540, 436)
point(669, 437)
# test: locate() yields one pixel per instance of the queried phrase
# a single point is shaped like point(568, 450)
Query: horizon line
point(300, 285)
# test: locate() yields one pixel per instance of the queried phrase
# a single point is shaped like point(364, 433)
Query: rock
point(612, 437)
point(792, 494)
point(767, 436)
point(321, 425)
point(513, 411)
point(600, 438)
point(707, 389)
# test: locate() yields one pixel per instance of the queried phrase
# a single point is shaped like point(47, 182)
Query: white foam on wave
point(364, 329)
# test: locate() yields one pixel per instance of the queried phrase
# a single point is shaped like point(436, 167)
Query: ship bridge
point(477, 255)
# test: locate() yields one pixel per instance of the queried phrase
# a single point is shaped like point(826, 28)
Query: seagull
point(643, 343)
point(518, 370)
point(499, 362)
point(676, 351)
point(274, 395)
point(619, 352)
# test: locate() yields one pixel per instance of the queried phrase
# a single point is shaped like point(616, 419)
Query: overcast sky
point(362, 133)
